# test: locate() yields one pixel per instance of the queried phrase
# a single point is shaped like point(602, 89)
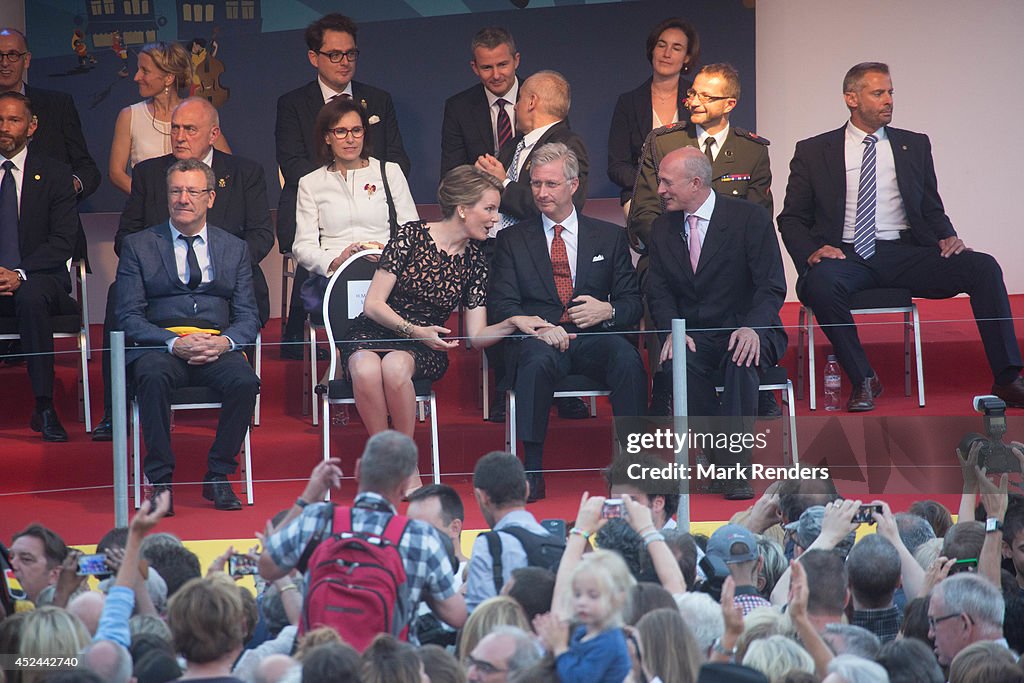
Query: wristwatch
point(610, 322)
point(993, 525)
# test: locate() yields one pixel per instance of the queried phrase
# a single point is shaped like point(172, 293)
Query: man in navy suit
point(715, 261)
point(576, 273)
point(480, 119)
point(185, 287)
point(38, 223)
point(333, 53)
point(863, 210)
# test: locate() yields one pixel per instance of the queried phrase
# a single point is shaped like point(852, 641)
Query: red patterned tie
point(504, 123)
point(560, 268)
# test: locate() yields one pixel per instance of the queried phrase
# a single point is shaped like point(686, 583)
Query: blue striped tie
point(864, 232)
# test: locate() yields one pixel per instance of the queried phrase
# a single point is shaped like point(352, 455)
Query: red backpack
point(356, 583)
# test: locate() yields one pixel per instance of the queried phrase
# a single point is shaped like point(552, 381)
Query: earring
point(462, 214)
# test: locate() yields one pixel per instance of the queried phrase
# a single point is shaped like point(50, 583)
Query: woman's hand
point(529, 324)
point(350, 251)
point(430, 335)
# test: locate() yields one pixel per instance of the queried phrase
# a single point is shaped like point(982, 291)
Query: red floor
point(69, 486)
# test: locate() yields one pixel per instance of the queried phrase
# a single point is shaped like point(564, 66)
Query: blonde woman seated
point(342, 207)
point(425, 272)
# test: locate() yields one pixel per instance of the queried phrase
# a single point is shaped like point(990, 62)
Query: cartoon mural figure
point(207, 70)
point(119, 48)
point(81, 49)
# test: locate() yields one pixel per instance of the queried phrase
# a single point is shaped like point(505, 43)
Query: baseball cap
point(723, 542)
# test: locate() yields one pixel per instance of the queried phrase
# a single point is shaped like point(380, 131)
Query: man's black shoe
point(217, 489)
point(767, 406)
point(661, 404)
point(104, 430)
point(536, 482)
point(572, 408)
point(740, 490)
point(157, 490)
point(863, 397)
point(1012, 393)
point(48, 424)
point(497, 412)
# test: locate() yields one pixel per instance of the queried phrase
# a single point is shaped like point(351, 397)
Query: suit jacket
point(296, 148)
point(815, 206)
point(631, 123)
point(740, 280)
point(48, 217)
point(240, 208)
point(741, 170)
point(522, 282)
point(151, 293)
point(466, 131)
point(517, 197)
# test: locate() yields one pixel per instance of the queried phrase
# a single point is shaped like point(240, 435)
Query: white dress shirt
point(529, 142)
point(181, 254)
point(329, 93)
point(570, 235)
point(492, 105)
point(720, 136)
point(890, 216)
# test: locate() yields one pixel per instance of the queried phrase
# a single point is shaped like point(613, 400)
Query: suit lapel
point(679, 250)
point(901, 159)
point(586, 250)
point(716, 236)
point(481, 115)
point(213, 246)
point(166, 248)
point(835, 166)
point(543, 140)
point(30, 186)
point(222, 186)
point(537, 247)
point(643, 111)
point(314, 100)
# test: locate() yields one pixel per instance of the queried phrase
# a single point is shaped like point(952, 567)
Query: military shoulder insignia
point(753, 137)
point(670, 128)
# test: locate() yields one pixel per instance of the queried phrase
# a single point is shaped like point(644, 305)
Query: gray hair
point(914, 530)
point(852, 640)
point(557, 151)
point(109, 660)
point(186, 165)
point(858, 670)
point(974, 596)
point(704, 617)
point(698, 166)
point(525, 655)
point(552, 90)
point(857, 72)
point(388, 460)
point(151, 624)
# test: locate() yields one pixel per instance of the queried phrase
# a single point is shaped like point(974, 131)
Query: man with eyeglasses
point(739, 168)
point(241, 209)
point(962, 610)
point(334, 54)
point(499, 655)
point(185, 301)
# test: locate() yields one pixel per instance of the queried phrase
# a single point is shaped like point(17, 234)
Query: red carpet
point(68, 486)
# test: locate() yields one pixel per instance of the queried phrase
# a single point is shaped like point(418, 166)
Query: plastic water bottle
point(833, 384)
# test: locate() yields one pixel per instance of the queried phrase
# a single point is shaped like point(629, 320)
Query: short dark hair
point(501, 476)
point(936, 513)
point(909, 660)
point(729, 74)
point(853, 77)
point(692, 40)
point(329, 114)
point(963, 541)
point(328, 22)
point(684, 548)
point(115, 538)
point(18, 97)
point(331, 663)
point(176, 564)
point(451, 503)
point(207, 618)
point(1013, 524)
point(874, 568)
point(827, 580)
point(491, 37)
point(533, 588)
point(617, 473)
point(54, 548)
point(189, 165)
point(644, 597)
point(796, 495)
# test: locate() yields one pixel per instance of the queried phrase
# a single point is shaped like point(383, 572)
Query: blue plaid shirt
point(427, 567)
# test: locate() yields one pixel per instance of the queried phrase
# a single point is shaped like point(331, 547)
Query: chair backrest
point(348, 284)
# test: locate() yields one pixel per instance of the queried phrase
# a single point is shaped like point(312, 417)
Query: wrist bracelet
point(647, 529)
point(652, 537)
point(576, 531)
point(717, 647)
point(404, 328)
point(289, 587)
point(301, 503)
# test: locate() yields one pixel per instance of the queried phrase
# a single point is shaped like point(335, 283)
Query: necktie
point(10, 252)
point(560, 268)
point(342, 95)
point(864, 232)
point(504, 123)
point(708, 144)
point(694, 241)
point(195, 274)
point(512, 174)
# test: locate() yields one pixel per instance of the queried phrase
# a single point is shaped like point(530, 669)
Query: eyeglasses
point(12, 57)
point(483, 667)
point(337, 55)
point(191, 192)
point(932, 622)
point(342, 133)
point(549, 185)
point(704, 98)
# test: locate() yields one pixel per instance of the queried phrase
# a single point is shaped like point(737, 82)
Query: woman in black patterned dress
point(426, 270)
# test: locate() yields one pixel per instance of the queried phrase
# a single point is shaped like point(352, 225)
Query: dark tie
point(344, 96)
point(708, 144)
point(560, 268)
point(864, 232)
point(504, 123)
point(195, 274)
point(10, 252)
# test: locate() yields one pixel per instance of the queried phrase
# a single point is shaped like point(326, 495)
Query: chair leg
point(307, 398)
point(812, 385)
point(435, 450)
point(421, 412)
point(907, 327)
point(794, 452)
point(84, 402)
point(136, 457)
point(325, 433)
point(510, 421)
point(285, 274)
point(259, 375)
point(920, 359)
point(313, 379)
point(248, 467)
point(485, 384)
point(83, 292)
point(593, 406)
point(801, 336)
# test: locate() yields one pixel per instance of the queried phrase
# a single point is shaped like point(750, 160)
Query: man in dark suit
point(38, 223)
point(186, 287)
point(58, 134)
point(333, 53)
point(241, 209)
point(576, 273)
point(715, 262)
point(480, 119)
point(862, 211)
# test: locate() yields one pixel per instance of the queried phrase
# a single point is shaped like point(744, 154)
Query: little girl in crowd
point(597, 651)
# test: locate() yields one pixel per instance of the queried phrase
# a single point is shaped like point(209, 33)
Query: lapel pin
point(728, 152)
point(362, 103)
point(37, 177)
point(221, 183)
point(903, 147)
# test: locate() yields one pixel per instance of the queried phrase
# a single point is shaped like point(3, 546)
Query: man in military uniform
point(739, 168)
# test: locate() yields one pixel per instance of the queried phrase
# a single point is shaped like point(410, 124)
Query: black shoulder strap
point(494, 547)
point(303, 562)
point(533, 544)
point(392, 213)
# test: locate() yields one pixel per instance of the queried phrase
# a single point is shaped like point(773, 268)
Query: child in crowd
point(597, 651)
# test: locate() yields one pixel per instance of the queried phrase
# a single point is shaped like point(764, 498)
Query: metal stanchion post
point(679, 410)
point(120, 425)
